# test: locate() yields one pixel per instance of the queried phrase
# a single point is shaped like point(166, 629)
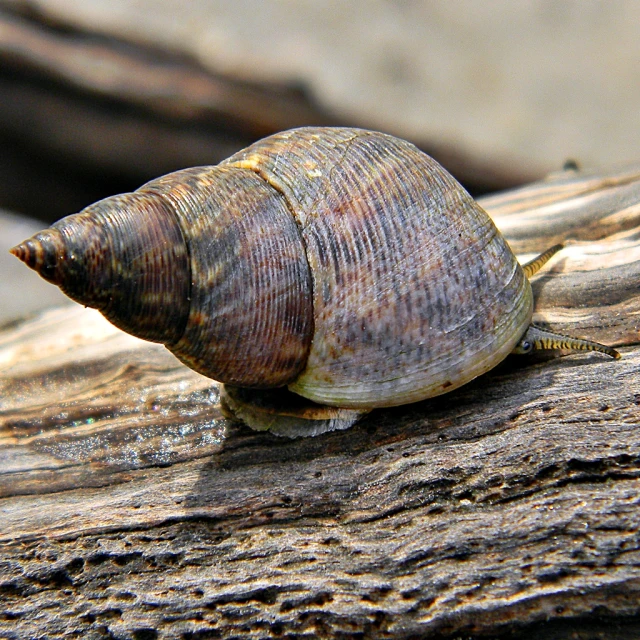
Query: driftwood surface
point(131, 508)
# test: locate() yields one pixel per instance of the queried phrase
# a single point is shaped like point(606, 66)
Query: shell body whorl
point(415, 292)
point(250, 320)
point(345, 264)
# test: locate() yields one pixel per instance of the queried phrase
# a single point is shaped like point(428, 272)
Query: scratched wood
point(132, 508)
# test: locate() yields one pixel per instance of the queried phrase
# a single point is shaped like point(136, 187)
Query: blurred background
point(98, 96)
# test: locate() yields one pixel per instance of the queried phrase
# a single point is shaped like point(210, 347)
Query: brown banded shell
point(207, 261)
point(415, 292)
point(342, 263)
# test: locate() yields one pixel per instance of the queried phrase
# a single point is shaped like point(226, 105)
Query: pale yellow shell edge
point(433, 380)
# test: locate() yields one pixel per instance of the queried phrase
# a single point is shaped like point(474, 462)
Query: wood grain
point(130, 507)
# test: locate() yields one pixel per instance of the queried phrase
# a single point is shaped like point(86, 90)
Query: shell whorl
point(251, 320)
point(207, 261)
point(415, 291)
point(343, 263)
point(125, 256)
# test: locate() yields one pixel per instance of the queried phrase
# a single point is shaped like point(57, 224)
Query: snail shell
point(345, 264)
point(342, 263)
point(414, 290)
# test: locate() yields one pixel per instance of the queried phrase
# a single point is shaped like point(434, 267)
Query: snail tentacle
point(537, 339)
point(533, 266)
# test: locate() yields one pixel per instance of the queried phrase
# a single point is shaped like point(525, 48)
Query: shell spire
point(207, 261)
point(119, 255)
point(42, 253)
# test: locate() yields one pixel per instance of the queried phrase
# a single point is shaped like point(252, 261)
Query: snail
point(344, 265)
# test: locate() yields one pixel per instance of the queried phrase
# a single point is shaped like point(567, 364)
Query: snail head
point(537, 339)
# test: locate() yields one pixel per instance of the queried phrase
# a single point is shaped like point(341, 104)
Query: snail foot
point(284, 413)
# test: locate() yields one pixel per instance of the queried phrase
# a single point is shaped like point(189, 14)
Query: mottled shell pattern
point(342, 263)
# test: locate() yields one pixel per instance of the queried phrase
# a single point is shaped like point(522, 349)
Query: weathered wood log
point(140, 109)
point(137, 112)
point(132, 508)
